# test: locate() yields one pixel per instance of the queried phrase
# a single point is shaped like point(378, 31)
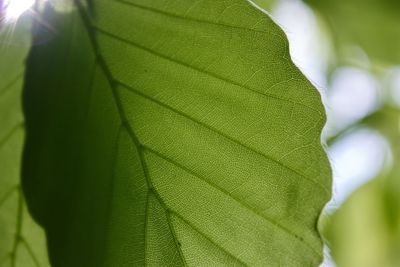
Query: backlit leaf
point(169, 133)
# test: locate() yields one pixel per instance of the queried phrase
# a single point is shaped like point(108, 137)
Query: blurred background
point(350, 50)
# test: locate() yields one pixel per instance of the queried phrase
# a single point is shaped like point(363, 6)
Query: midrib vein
point(125, 122)
point(326, 191)
point(109, 77)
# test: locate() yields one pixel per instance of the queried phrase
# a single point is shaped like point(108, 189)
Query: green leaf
point(22, 241)
point(373, 25)
point(266, 4)
point(173, 133)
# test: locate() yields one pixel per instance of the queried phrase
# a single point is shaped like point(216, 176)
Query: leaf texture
point(22, 241)
point(173, 133)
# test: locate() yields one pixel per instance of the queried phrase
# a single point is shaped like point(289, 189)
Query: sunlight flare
point(15, 8)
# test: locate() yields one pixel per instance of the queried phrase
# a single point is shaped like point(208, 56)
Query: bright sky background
point(15, 8)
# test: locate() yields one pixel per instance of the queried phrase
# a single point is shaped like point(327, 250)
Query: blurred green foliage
point(373, 25)
point(365, 230)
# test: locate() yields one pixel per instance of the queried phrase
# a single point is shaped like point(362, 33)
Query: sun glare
point(15, 8)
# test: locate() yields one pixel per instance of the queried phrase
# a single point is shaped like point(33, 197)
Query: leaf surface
point(171, 133)
point(22, 241)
